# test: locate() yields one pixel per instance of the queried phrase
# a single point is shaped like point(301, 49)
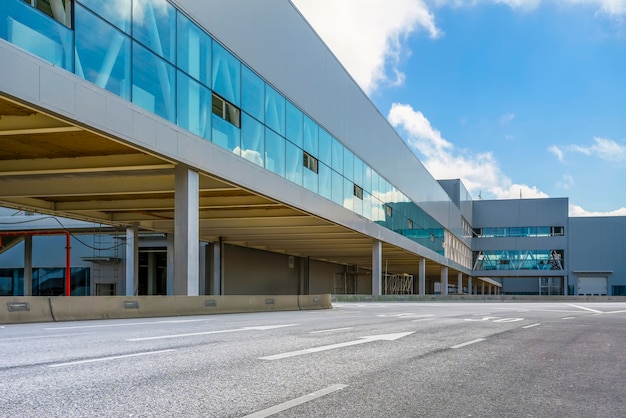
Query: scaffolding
point(397, 284)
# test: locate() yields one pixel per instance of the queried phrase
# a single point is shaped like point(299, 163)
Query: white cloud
point(480, 172)
point(577, 211)
point(612, 8)
point(368, 36)
point(507, 118)
point(603, 148)
point(566, 181)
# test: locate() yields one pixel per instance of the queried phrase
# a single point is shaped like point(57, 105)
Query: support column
point(459, 283)
point(444, 281)
point(217, 286)
point(186, 232)
point(28, 265)
point(422, 277)
point(377, 267)
point(482, 290)
point(202, 270)
point(469, 285)
point(152, 276)
point(132, 259)
point(170, 265)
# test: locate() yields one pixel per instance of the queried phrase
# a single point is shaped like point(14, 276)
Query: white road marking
point(296, 402)
point(223, 331)
point(422, 319)
point(531, 325)
point(582, 307)
point(612, 312)
point(94, 360)
point(330, 330)
point(45, 336)
point(477, 340)
point(569, 317)
point(126, 324)
point(362, 340)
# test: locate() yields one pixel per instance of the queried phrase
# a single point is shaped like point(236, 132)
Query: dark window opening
point(309, 162)
point(358, 192)
point(226, 110)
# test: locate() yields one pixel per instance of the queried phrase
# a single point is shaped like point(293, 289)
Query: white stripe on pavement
point(296, 402)
point(477, 340)
point(531, 325)
point(94, 360)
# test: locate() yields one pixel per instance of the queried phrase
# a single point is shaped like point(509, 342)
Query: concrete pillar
point(202, 270)
point(377, 267)
point(170, 265)
point(422, 277)
point(132, 259)
point(28, 265)
point(482, 289)
point(151, 273)
point(217, 285)
point(444, 280)
point(459, 282)
point(186, 232)
point(469, 285)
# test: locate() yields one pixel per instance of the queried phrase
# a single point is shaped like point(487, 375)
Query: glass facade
point(150, 53)
point(45, 281)
point(519, 260)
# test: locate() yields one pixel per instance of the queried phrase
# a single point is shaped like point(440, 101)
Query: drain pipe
point(67, 249)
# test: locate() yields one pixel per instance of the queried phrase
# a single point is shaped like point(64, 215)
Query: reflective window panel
point(154, 25)
point(252, 94)
point(154, 83)
point(194, 106)
point(226, 75)
point(194, 50)
point(293, 163)
point(294, 122)
point(252, 139)
point(115, 12)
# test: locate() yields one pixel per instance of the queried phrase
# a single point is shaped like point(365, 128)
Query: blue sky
point(516, 97)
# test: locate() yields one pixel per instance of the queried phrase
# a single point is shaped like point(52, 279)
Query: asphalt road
point(356, 360)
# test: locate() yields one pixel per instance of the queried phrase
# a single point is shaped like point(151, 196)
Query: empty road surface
point(356, 360)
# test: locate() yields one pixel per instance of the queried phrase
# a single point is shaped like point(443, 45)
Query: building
point(220, 148)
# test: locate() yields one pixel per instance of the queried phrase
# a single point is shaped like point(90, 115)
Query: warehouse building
point(221, 148)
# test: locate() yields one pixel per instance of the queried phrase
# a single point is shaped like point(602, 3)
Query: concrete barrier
point(76, 308)
point(22, 309)
point(307, 302)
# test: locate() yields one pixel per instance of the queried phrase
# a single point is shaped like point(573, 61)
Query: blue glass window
point(226, 135)
point(252, 93)
point(348, 164)
point(325, 181)
point(274, 152)
point(358, 171)
point(226, 75)
point(154, 25)
point(310, 137)
point(154, 84)
point(348, 194)
point(194, 50)
point(367, 206)
point(293, 163)
point(294, 124)
point(337, 155)
point(274, 110)
point(337, 188)
point(117, 13)
point(325, 147)
point(33, 31)
point(102, 53)
point(252, 139)
point(367, 178)
point(309, 178)
point(194, 106)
